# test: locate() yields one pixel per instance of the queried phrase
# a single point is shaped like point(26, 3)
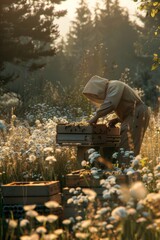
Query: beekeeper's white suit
point(117, 96)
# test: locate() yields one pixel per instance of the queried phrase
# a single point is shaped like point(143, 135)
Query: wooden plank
point(75, 180)
point(32, 200)
point(31, 189)
point(88, 139)
point(91, 129)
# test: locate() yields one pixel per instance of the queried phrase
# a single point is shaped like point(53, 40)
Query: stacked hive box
point(97, 136)
point(87, 181)
point(17, 194)
point(88, 135)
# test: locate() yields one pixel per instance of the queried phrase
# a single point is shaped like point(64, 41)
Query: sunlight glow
point(71, 5)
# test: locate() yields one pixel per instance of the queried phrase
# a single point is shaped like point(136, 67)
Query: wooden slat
point(31, 189)
point(32, 200)
point(91, 129)
point(88, 139)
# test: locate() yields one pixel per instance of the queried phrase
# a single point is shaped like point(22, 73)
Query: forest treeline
point(40, 66)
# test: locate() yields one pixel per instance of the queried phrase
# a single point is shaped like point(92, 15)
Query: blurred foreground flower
point(12, 223)
point(138, 191)
point(90, 194)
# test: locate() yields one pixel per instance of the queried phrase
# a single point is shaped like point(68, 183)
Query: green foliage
point(150, 32)
point(156, 61)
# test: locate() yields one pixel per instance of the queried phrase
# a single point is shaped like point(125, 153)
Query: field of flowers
point(28, 152)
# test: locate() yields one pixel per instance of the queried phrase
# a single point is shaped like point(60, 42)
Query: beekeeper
point(114, 95)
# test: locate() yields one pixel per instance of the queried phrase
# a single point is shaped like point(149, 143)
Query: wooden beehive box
point(25, 193)
point(87, 180)
point(88, 134)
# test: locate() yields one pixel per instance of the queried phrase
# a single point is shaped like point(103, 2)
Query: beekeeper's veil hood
point(95, 90)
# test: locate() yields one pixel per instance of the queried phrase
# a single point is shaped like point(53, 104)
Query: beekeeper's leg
point(141, 121)
point(126, 133)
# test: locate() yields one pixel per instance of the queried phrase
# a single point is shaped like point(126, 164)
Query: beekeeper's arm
point(105, 108)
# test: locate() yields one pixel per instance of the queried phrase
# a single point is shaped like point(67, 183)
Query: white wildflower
point(78, 218)
point(66, 221)
point(29, 207)
point(145, 177)
point(70, 200)
point(12, 223)
point(158, 186)
point(50, 236)
point(93, 229)
point(41, 230)
point(115, 155)
point(58, 150)
point(32, 158)
point(48, 149)
point(97, 216)
point(41, 219)
point(91, 150)
point(135, 163)
point(50, 159)
point(158, 159)
point(84, 163)
point(24, 222)
point(140, 220)
point(25, 237)
point(52, 204)
point(109, 226)
point(80, 235)
point(119, 213)
point(52, 218)
point(102, 211)
point(106, 194)
point(58, 231)
point(90, 194)
point(31, 213)
point(157, 167)
point(71, 190)
point(145, 170)
point(139, 206)
point(131, 211)
point(85, 223)
point(37, 122)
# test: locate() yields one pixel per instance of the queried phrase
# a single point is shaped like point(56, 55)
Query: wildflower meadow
point(29, 152)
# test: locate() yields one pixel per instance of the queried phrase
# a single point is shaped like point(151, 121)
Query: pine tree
point(28, 32)
point(79, 37)
point(147, 48)
point(119, 36)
